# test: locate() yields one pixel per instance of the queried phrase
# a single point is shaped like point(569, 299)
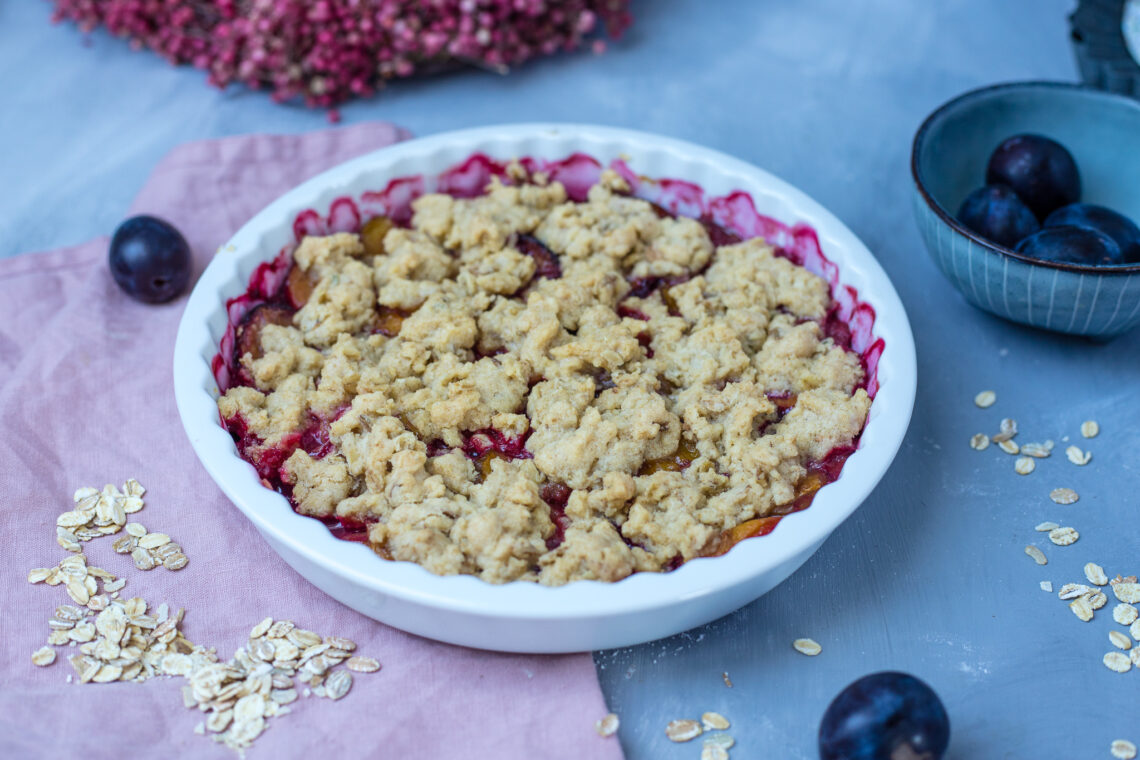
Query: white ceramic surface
point(525, 617)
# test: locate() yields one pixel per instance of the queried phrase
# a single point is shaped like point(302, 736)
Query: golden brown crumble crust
point(603, 385)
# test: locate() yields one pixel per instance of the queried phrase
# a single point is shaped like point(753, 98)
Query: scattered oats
point(219, 721)
point(1089, 428)
point(724, 741)
point(1045, 527)
point(283, 696)
point(339, 642)
point(72, 519)
point(608, 725)
point(1118, 661)
point(82, 632)
point(85, 667)
point(1127, 592)
point(176, 664)
point(262, 649)
point(1063, 496)
point(261, 628)
point(1037, 555)
point(40, 574)
point(108, 673)
point(1135, 655)
point(114, 585)
point(713, 752)
point(727, 680)
point(1047, 586)
point(249, 707)
point(133, 488)
point(1097, 600)
point(43, 657)
point(1078, 457)
point(1073, 590)
point(142, 558)
point(302, 638)
point(58, 638)
point(980, 442)
point(78, 591)
point(68, 541)
point(1125, 614)
point(1118, 579)
point(154, 540)
point(1095, 574)
point(1064, 536)
point(286, 650)
point(1119, 640)
point(1024, 466)
point(1036, 450)
point(338, 684)
point(1008, 430)
point(175, 561)
point(1122, 749)
point(125, 544)
point(683, 730)
point(362, 664)
point(84, 494)
point(809, 647)
point(1081, 608)
point(97, 603)
point(67, 612)
point(712, 721)
point(1009, 447)
point(985, 399)
point(200, 729)
point(135, 529)
point(279, 629)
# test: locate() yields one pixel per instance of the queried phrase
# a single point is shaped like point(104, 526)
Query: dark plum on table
point(1120, 228)
point(885, 716)
point(1071, 245)
point(149, 259)
point(1040, 170)
point(997, 214)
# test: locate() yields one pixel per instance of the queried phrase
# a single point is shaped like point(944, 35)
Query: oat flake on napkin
point(86, 398)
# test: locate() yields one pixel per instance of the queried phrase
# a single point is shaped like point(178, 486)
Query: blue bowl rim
point(949, 219)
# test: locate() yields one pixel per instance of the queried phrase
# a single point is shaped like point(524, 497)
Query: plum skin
point(885, 716)
point(1040, 170)
point(1071, 245)
point(997, 214)
point(1120, 228)
point(149, 259)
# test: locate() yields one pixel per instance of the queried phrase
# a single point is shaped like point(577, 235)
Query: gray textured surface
point(929, 576)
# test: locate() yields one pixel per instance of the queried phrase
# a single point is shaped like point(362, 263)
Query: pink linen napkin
point(86, 398)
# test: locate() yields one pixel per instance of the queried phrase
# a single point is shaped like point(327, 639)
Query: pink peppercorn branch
point(328, 51)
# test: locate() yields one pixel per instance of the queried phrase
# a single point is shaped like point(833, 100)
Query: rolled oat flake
point(1122, 749)
point(1117, 661)
point(1064, 496)
point(683, 730)
point(985, 399)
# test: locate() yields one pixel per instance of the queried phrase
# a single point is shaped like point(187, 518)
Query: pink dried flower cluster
point(328, 51)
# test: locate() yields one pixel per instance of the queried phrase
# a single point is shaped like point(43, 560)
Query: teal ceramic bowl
point(948, 160)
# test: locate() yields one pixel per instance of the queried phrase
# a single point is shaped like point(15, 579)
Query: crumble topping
point(523, 387)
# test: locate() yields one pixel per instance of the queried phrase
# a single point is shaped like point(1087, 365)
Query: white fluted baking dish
point(521, 616)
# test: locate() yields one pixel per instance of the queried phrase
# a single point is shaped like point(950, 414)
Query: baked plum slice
point(248, 333)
